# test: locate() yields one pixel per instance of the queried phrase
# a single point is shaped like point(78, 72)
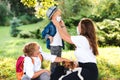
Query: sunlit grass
point(7, 68)
point(108, 63)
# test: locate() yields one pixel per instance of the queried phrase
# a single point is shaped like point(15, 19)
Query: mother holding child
point(86, 48)
point(85, 52)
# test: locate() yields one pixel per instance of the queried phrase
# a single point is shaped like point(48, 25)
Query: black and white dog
point(67, 69)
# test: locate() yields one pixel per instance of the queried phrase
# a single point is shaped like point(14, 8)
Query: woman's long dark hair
point(88, 30)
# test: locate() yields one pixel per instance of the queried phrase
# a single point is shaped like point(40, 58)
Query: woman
point(86, 48)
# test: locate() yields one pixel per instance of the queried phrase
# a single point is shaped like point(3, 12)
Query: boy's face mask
point(58, 18)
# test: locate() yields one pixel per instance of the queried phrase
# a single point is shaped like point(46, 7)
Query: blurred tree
point(106, 9)
point(73, 8)
point(97, 10)
point(15, 22)
point(19, 9)
point(4, 13)
point(109, 32)
point(39, 5)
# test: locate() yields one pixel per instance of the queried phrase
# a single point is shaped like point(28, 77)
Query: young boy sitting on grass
point(32, 62)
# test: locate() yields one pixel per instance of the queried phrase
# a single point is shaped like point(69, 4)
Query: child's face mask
point(58, 18)
point(40, 49)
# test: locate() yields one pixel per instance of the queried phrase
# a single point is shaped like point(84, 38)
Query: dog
point(65, 69)
point(71, 67)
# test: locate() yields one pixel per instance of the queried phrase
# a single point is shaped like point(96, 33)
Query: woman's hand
point(60, 59)
point(62, 24)
point(62, 30)
point(56, 23)
point(76, 64)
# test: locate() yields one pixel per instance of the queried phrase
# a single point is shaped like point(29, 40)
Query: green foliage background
point(105, 13)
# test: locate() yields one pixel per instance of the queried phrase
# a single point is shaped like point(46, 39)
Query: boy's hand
point(51, 39)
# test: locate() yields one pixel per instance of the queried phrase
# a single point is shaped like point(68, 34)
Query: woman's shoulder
point(79, 39)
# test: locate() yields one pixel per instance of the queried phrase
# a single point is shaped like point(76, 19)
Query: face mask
point(40, 49)
point(78, 32)
point(58, 18)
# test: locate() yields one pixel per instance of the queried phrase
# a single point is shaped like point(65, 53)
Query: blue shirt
point(50, 30)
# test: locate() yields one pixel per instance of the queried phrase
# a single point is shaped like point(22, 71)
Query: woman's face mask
point(58, 18)
point(78, 32)
point(78, 29)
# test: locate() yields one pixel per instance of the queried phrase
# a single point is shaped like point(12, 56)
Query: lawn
point(11, 48)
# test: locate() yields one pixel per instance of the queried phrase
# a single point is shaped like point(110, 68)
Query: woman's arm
point(59, 59)
point(53, 58)
point(63, 31)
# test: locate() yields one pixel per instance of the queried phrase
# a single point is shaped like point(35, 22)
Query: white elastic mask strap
point(78, 32)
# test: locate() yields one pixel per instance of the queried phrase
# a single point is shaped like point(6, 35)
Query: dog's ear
point(63, 63)
point(71, 63)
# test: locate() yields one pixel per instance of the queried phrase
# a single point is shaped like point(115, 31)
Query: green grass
point(32, 27)
point(11, 48)
point(109, 63)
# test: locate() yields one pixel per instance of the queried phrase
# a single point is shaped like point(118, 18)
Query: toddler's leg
point(45, 76)
point(25, 77)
